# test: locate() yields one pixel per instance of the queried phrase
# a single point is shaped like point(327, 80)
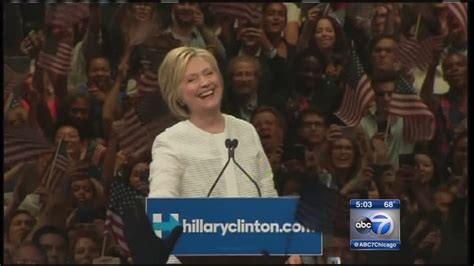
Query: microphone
point(235, 143)
point(229, 144)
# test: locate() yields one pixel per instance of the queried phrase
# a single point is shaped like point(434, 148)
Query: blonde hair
point(171, 74)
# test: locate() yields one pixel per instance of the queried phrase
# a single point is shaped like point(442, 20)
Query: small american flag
point(13, 88)
point(55, 56)
point(245, 11)
point(323, 209)
point(98, 154)
point(66, 15)
point(415, 53)
point(358, 94)
point(419, 122)
point(148, 82)
point(133, 133)
point(23, 143)
point(459, 12)
point(57, 169)
point(121, 196)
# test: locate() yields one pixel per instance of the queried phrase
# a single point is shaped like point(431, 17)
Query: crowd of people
point(333, 91)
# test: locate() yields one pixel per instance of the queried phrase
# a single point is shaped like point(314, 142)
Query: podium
point(233, 227)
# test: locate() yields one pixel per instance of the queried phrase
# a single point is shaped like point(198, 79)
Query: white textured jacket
point(186, 160)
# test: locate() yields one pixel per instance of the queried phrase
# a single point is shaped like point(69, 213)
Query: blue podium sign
point(233, 226)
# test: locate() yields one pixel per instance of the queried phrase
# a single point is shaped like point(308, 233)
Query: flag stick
point(103, 242)
point(54, 161)
point(417, 26)
point(387, 129)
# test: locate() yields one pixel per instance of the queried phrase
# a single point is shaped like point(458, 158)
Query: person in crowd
point(246, 92)
point(187, 26)
point(271, 128)
point(450, 109)
point(379, 124)
point(88, 199)
point(330, 40)
point(457, 163)
point(85, 248)
point(54, 242)
point(29, 253)
point(312, 135)
point(251, 40)
point(274, 22)
point(77, 110)
point(19, 226)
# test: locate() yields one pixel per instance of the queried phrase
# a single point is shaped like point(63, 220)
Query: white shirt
point(186, 161)
point(397, 144)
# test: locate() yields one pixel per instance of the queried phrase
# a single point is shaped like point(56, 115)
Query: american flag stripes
point(12, 86)
point(65, 15)
point(459, 12)
point(133, 134)
point(98, 154)
point(23, 143)
point(121, 197)
point(419, 122)
point(55, 56)
point(57, 169)
point(415, 53)
point(323, 209)
point(148, 82)
point(358, 94)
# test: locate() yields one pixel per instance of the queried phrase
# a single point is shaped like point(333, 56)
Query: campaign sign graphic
point(233, 226)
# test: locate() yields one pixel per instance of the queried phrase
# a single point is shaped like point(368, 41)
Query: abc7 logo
point(379, 223)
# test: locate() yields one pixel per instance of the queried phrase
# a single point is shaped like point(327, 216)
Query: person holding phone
point(378, 124)
point(187, 25)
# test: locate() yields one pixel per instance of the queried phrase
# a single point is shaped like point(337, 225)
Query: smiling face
point(325, 35)
point(424, 168)
point(70, 137)
point(100, 72)
point(342, 154)
point(268, 129)
point(20, 226)
point(201, 87)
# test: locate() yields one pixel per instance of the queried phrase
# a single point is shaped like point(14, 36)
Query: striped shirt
point(187, 160)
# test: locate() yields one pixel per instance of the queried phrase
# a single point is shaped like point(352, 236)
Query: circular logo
point(382, 224)
point(363, 225)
